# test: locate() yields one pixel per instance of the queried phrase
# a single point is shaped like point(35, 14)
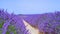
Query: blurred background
point(30, 6)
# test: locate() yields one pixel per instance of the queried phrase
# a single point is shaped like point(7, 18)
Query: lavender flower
point(14, 19)
point(49, 22)
point(32, 19)
point(46, 22)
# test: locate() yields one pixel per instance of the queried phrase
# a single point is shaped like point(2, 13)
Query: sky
point(30, 6)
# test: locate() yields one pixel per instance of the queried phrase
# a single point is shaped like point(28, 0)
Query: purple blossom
point(14, 19)
point(48, 22)
point(32, 19)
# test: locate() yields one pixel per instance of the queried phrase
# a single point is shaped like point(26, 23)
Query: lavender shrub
point(48, 23)
point(31, 19)
point(10, 19)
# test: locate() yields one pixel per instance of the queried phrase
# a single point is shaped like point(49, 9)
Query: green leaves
point(7, 32)
point(1, 24)
point(0, 31)
point(11, 28)
point(15, 32)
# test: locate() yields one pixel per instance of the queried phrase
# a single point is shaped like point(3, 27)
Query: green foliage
point(0, 31)
point(11, 28)
point(15, 32)
point(1, 22)
point(7, 32)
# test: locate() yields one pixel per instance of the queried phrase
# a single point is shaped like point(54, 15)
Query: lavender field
point(47, 23)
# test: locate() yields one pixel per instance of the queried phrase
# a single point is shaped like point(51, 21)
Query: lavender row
point(11, 19)
point(48, 22)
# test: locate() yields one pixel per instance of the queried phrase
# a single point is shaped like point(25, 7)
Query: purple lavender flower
point(31, 19)
point(49, 22)
point(16, 20)
point(46, 22)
